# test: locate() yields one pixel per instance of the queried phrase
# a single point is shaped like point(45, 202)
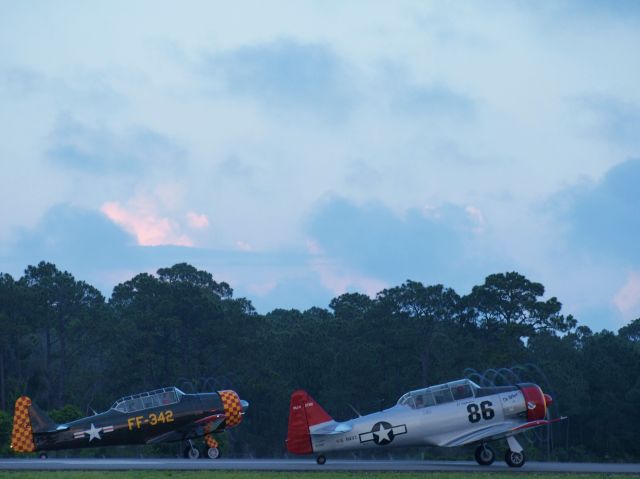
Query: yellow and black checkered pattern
point(232, 407)
point(22, 435)
point(211, 442)
point(208, 438)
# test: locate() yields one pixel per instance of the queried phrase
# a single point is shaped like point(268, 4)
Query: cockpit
point(439, 394)
point(148, 400)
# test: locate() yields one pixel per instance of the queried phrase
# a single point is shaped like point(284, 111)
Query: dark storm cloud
point(98, 151)
point(287, 74)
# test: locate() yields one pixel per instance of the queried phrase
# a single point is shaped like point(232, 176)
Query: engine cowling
point(232, 408)
point(535, 401)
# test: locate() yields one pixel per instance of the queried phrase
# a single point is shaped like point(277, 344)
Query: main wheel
point(191, 452)
point(485, 455)
point(43, 455)
point(321, 460)
point(211, 452)
point(514, 459)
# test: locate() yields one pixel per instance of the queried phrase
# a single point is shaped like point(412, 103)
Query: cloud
point(627, 300)
point(77, 239)
point(614, 119)
point(287, 74)
point(20, 82)
point(95, 249)
point(149, 229)
point(340, 280)
point(604, 218)
point(234, 167)
point(99, 150)
point(149, 217)
point(196, 220)
point(431, 244)
point(432, 100)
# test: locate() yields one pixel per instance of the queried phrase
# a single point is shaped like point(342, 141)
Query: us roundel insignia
point(383, 433)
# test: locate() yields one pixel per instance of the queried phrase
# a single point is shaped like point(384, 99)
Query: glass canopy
point(439, 394)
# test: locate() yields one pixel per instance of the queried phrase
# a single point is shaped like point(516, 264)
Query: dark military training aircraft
point(152, 417)
point(446, 415)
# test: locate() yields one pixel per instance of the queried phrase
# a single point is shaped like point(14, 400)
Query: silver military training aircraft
point(446, 415)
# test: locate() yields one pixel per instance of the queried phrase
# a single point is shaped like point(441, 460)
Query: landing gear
point(211, 452)
point(191, 452)
point(485, 455)
point(514, 459)
point(43, 455)
point(321, 460)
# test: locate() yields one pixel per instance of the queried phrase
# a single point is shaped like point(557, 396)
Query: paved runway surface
point(305, 465)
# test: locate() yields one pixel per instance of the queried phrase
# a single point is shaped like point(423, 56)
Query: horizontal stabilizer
point(329, 428)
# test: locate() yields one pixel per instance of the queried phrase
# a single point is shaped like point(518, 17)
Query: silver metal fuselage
point(450, 424)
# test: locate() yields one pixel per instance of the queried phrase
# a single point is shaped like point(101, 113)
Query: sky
point(299, 150)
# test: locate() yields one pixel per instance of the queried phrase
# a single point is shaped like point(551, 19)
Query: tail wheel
point(321, 460)
point(485, 455)
point(43, 455)
point(211, 452)
point(191, 452)
point(514, 459)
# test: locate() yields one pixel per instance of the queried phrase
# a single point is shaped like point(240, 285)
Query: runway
point(306, 465)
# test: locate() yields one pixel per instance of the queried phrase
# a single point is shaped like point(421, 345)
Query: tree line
point(72, 350)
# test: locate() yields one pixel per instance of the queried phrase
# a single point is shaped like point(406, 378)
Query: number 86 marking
point(475, 411)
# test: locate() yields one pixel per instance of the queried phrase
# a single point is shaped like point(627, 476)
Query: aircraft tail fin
point(22, 434)
point(304, 412)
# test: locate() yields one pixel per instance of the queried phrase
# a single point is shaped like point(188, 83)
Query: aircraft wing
point(190, 431)
point(497, 431)
point(330, 427)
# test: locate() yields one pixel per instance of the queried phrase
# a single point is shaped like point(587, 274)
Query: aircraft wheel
point(211, 452)
point(321, 460)
point(514, 459)
point(485, 455)
point(43, 455)
point(191, 453)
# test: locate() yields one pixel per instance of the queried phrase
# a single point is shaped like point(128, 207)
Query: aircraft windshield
point(150, 399)
point(440, 394)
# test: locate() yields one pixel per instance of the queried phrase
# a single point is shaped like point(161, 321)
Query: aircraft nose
point(244, 404)
point(548, 400)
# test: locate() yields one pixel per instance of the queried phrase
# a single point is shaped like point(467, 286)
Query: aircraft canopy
point(150, 399)
point(439, 394)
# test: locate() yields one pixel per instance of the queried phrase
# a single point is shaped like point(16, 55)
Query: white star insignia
point(94, 432)
point(382, 433)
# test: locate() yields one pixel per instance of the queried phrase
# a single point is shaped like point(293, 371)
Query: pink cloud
point(313, 247)
point(627, 300)
point(141, 221)
point(196, 220)
point(476, 215)
point(243, 246)
point(339, 282)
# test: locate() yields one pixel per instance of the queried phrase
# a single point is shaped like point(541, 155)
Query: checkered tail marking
point(22, 434)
